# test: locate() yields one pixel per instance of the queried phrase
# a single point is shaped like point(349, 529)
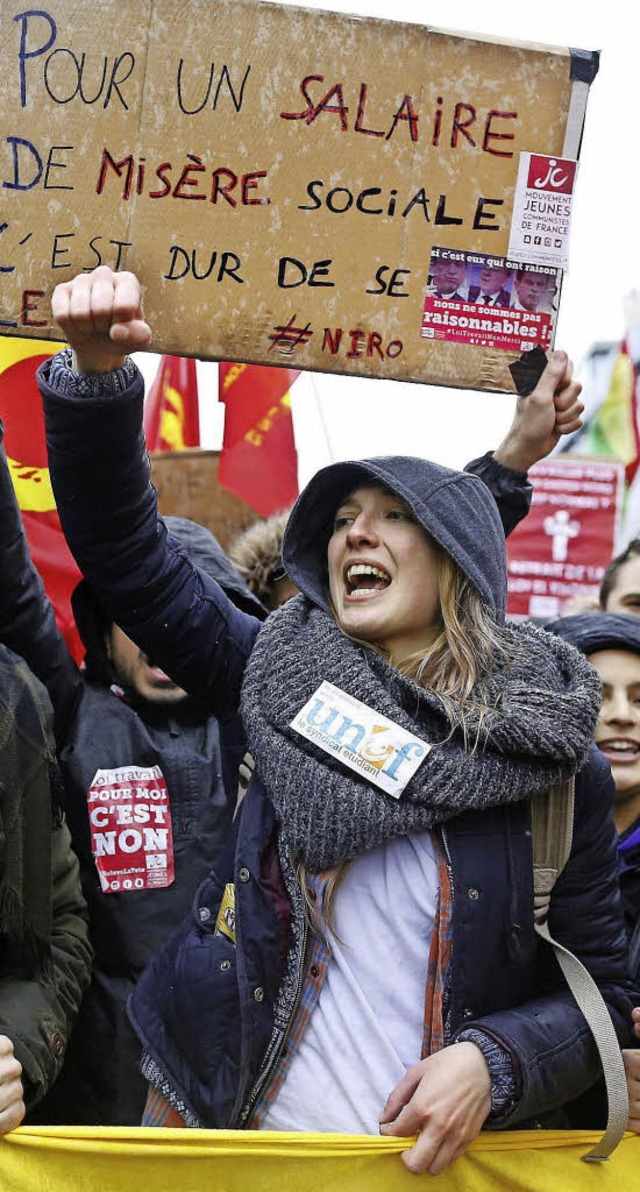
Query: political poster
point(561, 549)
point(287, 183)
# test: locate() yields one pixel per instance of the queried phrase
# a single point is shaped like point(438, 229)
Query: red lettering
point(161, 174)
point(340, 108)
point(332, 340)
point(355, 350)
point(462, 126)
point(497, 136)
point(217, 189)
point(368, 132)
point(249, 182)
point(27, 306)
point(310, 106)
point(184, 179)
point(405, 112)
point(120, 167)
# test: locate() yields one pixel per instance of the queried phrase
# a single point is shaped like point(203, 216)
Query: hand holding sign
point(553, 409)
point(101, 316)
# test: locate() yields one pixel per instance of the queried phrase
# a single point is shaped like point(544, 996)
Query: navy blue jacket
point(97, 728)
point(205, 1008)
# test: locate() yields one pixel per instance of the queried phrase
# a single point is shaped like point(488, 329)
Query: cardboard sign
point(278, 178)
point(563, 546)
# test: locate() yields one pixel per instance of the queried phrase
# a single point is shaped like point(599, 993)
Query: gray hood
point(455, 508)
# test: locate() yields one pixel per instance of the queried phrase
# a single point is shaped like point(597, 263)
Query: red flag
point(171, 419)
point(21, 411)
point(258, 461)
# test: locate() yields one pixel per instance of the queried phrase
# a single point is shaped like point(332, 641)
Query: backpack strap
point(552, 835)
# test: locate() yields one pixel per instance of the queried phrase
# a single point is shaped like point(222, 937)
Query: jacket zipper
point(446, 999)
point(276, 1045)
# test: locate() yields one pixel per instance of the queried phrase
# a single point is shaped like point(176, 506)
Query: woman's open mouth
point(364, 579)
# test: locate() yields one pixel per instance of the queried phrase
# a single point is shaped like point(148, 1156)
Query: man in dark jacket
point(45, 958)
point(146, 802)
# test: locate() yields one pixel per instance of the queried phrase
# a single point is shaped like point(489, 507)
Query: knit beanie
point(590, 632)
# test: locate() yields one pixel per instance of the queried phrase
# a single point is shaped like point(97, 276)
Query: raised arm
point(540, 420)
point(100, 475)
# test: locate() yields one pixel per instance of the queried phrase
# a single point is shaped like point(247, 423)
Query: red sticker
point(131, 832)
point(553, 174)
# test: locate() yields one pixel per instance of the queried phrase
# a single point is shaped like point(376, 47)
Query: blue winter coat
point(205, 1008)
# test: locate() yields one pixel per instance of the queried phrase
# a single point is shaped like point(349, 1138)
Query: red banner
point(562, 547)
point(21, 412)
point(171, 416)
point(258, 461)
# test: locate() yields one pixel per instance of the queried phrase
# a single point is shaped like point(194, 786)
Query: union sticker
point(370, 744)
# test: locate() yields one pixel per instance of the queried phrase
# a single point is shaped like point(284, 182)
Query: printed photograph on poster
point(488, 301)
point(541, 217)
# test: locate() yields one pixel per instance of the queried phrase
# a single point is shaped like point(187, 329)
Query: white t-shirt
point(367, 1026)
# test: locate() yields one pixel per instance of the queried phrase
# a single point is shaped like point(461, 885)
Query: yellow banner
point(84, 1159)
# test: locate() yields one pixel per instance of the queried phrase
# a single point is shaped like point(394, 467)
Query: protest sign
point(288, 184)
point(562, 547)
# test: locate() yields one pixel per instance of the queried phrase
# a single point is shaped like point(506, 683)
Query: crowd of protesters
point(319, 945)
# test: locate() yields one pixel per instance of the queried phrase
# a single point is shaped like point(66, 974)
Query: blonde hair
point(457, 665)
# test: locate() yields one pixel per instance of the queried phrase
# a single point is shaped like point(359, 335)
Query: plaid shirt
point(158, 1112)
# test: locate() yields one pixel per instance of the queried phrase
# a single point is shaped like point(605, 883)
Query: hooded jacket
point(204, 1009)
point(100, 726)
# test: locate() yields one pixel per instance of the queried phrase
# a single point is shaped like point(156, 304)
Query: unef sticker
point(542, 210)
point(131, 832)
point(373, 746)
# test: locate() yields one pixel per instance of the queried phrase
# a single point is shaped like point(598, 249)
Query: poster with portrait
point(282, 180)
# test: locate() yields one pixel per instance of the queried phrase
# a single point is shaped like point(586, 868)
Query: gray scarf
point(543, 709)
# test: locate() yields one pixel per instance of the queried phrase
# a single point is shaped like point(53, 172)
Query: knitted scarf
point(542, 711)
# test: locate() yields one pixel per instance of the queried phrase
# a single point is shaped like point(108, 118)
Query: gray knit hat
point(590, 632)
point(455, 508)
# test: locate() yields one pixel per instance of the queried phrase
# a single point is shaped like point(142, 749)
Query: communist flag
point(171, 419)
point(258, 461)
point(24, 440)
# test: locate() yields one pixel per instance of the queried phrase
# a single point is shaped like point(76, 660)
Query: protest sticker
point(131, 830)
point(473, 298)
point(561, 549)
point(542, 210)
point(361, 738)
point(278, 197)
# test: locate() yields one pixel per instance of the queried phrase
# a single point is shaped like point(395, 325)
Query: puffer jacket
point(209, 1071)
